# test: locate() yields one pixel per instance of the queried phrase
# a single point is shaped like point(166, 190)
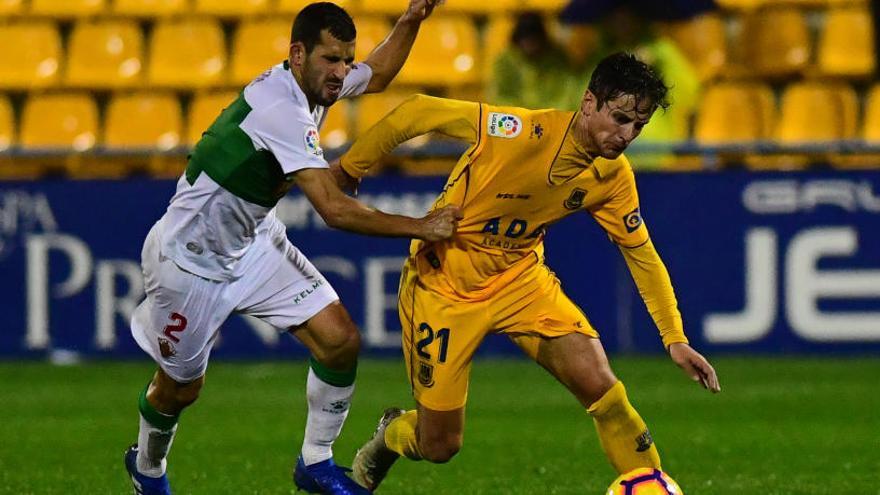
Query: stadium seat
point(335, 130)
point(777, 42)
point(157, 125)
point(370, 32)
point(256, 46)
point(187, 53)
point(7, 124)
point(66, 121)
point(67, 8)
point(846, 45)
point(11, 7)
point(383, 7)
point(149, 8)
point(483, 8)
point(34, 60)
point(733, 112)
point(817, 112)
point(203, 110)
point(546, 6)
point(104, 54)
point(231, 8)
point(740, 4)
point(371, 108)
point(703, 41)
point(294, 6)
point(444, 54)
point(871, 126)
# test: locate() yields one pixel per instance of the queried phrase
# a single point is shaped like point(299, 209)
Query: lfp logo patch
point(313, 141)
point(504, 125)
point(632, 220)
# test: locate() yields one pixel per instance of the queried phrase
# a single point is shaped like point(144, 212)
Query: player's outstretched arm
point(346, 213)
point(388, 57)
point(417, 115)
point(695, 365)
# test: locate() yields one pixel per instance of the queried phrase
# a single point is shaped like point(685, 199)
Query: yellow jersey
point(522, 172)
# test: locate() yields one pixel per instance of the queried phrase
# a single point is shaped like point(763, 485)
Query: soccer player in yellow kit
point(525, 169)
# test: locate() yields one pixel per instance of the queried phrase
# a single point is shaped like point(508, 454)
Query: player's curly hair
point(317, 17)
point(623, 74)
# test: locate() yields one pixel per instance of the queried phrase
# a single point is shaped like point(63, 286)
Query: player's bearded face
point(614, 126)
point(325, 68)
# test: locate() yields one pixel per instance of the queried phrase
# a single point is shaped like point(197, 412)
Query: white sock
point(328, 408)
point(153, 447)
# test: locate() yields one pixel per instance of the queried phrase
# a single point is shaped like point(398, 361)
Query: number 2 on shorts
point(442, 335)
point(179, 325)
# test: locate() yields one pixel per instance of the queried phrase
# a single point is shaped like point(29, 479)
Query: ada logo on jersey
point(504, 125)
point(313, 141)
point(632, 220)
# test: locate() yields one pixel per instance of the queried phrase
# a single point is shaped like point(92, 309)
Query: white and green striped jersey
point(241, 167)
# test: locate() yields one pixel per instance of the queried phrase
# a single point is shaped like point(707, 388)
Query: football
point(644, 481)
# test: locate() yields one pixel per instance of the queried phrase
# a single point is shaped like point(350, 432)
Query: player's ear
point(588, 103)
point(297, 53)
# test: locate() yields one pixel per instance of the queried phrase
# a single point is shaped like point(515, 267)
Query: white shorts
point(179, 320)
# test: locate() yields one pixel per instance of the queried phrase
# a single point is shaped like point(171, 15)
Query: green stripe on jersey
point(227, 154)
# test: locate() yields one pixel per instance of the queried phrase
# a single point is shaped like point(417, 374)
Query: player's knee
point(440, 451)
point(172, 397)
point(342, 351)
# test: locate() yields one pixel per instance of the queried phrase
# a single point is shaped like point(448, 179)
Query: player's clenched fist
point(419, 10)
point(440, 224)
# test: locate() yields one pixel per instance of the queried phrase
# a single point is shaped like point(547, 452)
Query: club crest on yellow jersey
point(575, 199)
point(504, 125)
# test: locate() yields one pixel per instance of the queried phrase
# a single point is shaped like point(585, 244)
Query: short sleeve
point(620, 214)
point(356, 81)
point(290, 134)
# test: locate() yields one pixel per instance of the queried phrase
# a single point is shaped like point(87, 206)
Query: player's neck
point(298, 79)
point(582, 138)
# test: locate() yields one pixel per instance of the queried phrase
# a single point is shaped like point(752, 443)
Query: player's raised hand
point(419, 10)
point(695, 365)
point(441, 223)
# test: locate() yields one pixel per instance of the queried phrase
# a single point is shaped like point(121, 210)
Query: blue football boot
point(144, 485)
point(325, 477)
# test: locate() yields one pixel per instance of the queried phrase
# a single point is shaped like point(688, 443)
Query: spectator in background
point(626, 26)
point(534, 72)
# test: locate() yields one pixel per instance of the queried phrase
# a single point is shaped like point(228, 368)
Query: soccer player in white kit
point(219, 248)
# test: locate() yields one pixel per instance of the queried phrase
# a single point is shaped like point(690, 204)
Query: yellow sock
point(400, 435)
point(622, 432)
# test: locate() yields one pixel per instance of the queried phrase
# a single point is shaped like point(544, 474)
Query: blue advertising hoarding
point(765, 262)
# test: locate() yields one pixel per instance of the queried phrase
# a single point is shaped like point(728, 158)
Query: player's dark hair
point(623, 74)
point(317, 17)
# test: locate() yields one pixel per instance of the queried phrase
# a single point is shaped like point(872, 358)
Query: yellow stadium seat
point(371, 108)
point(67, 121)
point(740, 4)
point(187, 53)
point(11, 7)
point(149, 8)
point(777, 42)
point(384, 7)
point(735, 112)
point(871, 127)
point(370, 32)
point(256, 46)
point(483, 8)
point(846, 46)
point(31, 55)
point(104, 54)
point(547, 6)
point(203, 110)
point(444, 54)
point(703, 40)
point(294, 6)
point(143, 121)
point(335, 131)
point(7, 124)
point(231, 8)
point(67, 8)
point(816, 112)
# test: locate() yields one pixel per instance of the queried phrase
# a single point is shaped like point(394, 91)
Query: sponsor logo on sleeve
point(504, 125)
point(632, 220)
point(313, 141)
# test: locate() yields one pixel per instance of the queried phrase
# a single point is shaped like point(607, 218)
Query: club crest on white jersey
point(313, 141)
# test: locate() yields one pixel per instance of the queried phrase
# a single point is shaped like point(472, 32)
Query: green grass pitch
point(781, 426)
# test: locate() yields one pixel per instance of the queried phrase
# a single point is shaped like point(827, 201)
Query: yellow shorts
point(440, 335)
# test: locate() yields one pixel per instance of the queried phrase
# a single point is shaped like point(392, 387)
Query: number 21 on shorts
point(428, 335)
